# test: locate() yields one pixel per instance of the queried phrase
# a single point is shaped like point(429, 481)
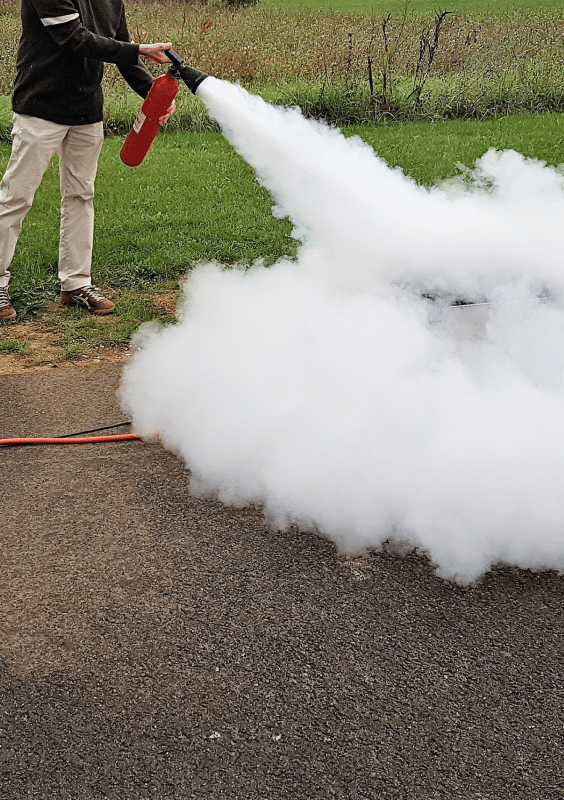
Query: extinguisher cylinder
point(146, 126)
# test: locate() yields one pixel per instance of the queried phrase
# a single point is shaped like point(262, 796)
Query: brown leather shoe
point(89, 298)
point(7, 310)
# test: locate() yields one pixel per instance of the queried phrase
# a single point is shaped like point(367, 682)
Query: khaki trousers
point(35, 141)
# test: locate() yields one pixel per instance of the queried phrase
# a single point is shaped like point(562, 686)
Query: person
point(58, 108)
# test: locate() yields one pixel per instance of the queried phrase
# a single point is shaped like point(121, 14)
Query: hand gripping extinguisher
point(162, 93)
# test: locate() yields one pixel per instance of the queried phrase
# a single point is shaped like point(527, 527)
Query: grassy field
point(421, 7)
point(194, 200)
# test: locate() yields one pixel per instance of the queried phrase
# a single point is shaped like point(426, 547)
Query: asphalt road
point(155, 645)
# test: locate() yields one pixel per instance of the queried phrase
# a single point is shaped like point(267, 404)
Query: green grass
point(422, 7)
point(194, 200)
point(12, 346)
point(429, 152)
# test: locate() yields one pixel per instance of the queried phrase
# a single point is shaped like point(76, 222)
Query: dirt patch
point(166, 302)
point(44, 353)
point(37, 344)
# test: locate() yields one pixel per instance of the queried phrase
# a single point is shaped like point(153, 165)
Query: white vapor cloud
point(334, 394)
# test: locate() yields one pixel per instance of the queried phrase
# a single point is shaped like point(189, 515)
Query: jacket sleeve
point(62, 22)
point(137, 75)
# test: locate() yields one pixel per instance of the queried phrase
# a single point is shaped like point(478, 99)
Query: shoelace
point(5, 301)
point(93, 292)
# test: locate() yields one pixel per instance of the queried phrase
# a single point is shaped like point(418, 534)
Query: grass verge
point(194, 200)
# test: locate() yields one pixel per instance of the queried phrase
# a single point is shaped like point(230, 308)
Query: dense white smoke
point(335, 393)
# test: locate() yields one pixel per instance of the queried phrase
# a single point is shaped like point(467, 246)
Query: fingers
point(169, 112)
point(156, 52)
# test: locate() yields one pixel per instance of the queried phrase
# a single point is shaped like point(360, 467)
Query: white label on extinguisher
point(138, 124)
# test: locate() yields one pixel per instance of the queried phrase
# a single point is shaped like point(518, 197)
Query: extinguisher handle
point(191, 77)
point(176, 61)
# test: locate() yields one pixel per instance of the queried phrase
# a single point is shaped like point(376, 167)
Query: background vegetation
point(422, 7)
point(481, 64)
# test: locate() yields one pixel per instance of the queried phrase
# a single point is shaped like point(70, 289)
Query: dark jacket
point(61, 56)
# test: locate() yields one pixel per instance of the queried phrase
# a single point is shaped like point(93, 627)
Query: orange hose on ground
point(71, 440)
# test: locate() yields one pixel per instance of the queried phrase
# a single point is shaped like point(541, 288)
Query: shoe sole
point(102, 312)
point(97, 312)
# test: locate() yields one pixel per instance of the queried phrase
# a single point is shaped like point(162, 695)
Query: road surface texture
point(158, 646)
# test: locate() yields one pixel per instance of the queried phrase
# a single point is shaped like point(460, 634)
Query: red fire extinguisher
point(146, 126)
point(162, 93)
